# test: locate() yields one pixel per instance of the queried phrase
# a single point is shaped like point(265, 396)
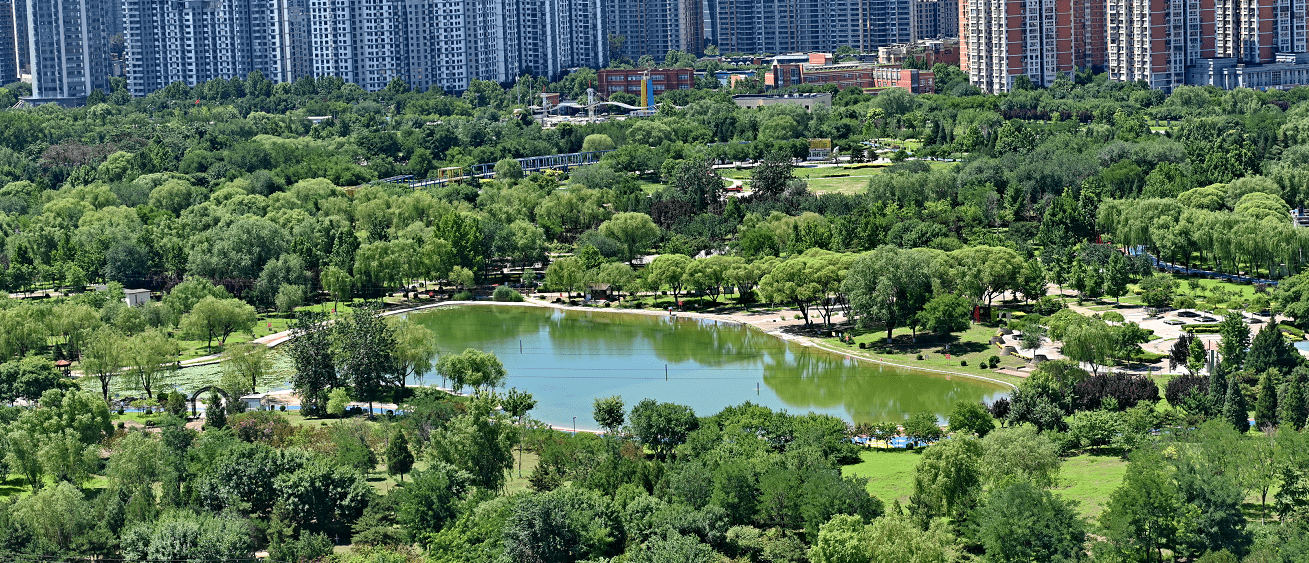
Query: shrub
point(1000, 408)
point(994, 361)
point(1091, 429)
point(506, 294)
point(262, 426)
point(336, 402)
point(920, 356)
point(963, 363)
point(463, 296)
point(1047, 305)
point(1179, 389)
point(1123, 389)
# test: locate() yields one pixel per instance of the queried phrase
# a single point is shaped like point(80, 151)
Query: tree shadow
point(10, 487)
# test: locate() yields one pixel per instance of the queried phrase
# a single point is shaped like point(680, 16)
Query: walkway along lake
point(568, 358)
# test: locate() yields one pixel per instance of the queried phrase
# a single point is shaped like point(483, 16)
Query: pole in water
point(520, 346)
point(756, 388)
point(665, 372)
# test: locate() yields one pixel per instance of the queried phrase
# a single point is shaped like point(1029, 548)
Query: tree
point(1115, 279)
point(1195, 362)
point(1205, 484)
point(1235, 410)
point(1146, 514)
point(1158, 290)
point(149, 358)
point(1265, 406)
point(213, 317)
point(668, 270)
point(245, 365)
point(517, 404)
point(888, 285)
point(565, 274)
point(479, 441)
point(696, 182)
point(890, 539)
point(769, 179)
point(922, 428)
point(399, 460)
point(1235, 339)
point(55, 517)
point(102, 357)
point(1270, 350)
point(635, 231)
point(597, 142)
point(1092, 344)
point(662, 426)
point(310, 351)
point(947, 479)
point(337, 282)
point(65, 457)
point(1021, 522)
point(563, 525)
point(1292, 407)
point(971, 418)
point(508, 169)
point(462, 277)
point(946, 313)
point(1030, 339)
point(1019, 453)
point(472, 368)
point(432, 498)
point(608, 413)
point(27, 378)
point(365, 347)
point(184, 296)
point(1180, 353)
point(215, 412)
point(415, 347)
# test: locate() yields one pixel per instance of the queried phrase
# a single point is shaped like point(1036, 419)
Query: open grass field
point(890, 474)
point(972, 346)
point(1088, 479)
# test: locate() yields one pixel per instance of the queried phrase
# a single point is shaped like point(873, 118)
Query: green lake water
point(566, 359)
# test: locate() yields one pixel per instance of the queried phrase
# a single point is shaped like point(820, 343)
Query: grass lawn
point(1089, 479)
point(650, 187)
point(890, 473)
point(14, 485)
point(972, 346)
point(847, 185)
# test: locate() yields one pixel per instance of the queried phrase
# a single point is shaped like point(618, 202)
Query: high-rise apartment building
point(425, 43)
point(20, 37)
point(194, 41)
point(788, 26)
point(68, 46)
point(654, 27)
point(1000, 40)
point(448, 43)
point(8, 43)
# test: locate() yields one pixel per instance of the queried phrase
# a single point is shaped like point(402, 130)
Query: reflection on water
point(567, 359)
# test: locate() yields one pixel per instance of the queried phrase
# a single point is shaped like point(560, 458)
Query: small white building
point(136, 297)
point(253, 401)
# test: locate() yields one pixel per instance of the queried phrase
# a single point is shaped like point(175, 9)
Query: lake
point(566, 359)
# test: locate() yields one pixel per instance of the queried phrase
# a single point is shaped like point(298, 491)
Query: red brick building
point(852, 75)
point(613, 80)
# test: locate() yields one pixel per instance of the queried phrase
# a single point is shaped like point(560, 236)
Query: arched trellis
point(207, 388)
